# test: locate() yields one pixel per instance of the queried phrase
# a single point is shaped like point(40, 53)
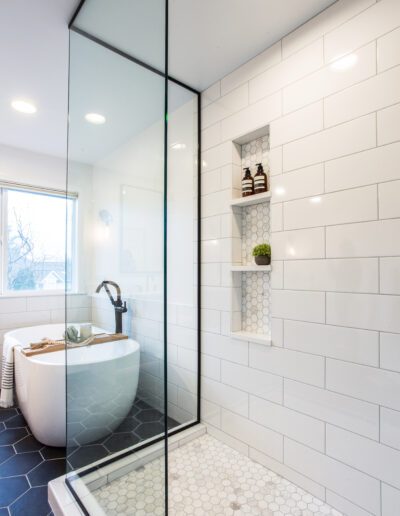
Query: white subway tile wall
point(322, 405)
point(389, 124)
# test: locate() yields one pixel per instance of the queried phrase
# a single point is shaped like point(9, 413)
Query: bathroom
point(200, 287)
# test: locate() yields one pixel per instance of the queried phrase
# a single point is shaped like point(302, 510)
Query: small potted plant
point(262, 254)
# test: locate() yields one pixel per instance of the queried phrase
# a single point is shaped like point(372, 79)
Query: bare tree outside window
point(36, 242)
point(20, 256)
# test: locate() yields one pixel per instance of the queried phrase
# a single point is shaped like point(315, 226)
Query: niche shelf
point(251, 318)
point(248, 336)
point(251, 268)
point(251, 199)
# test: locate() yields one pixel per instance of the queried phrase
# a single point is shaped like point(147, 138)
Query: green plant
point(262, 250)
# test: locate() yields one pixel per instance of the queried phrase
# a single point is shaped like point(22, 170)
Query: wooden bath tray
point(50, 348)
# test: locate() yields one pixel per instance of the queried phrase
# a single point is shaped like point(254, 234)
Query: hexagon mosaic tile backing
point(256, 151)
point(206, 478)
point(256, 302)
point(255, 230)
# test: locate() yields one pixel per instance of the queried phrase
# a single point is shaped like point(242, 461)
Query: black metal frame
point(198, 93)
point(165, 330)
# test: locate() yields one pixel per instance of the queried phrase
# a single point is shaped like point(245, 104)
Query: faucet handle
point(121, 308)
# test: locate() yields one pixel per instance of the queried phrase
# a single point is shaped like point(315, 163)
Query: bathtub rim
point(62, 353)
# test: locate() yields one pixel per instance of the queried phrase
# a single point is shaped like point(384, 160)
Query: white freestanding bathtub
point(95, 391)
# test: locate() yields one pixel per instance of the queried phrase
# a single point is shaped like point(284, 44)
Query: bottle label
point(247, 182)
point(260, 183)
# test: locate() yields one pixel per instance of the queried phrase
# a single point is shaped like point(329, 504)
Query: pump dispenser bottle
point(247, 183)
point(260, 180)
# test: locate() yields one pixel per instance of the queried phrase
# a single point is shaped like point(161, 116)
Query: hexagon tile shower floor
point(208, 478)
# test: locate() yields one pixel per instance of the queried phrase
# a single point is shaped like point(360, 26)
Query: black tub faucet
point(119, 306)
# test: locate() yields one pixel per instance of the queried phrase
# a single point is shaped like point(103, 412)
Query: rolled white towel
point(7, 378)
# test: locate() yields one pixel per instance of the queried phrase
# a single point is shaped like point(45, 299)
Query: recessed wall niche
point(252, 217)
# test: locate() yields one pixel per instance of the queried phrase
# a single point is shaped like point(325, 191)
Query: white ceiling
point(34, 65)
point(208, 39)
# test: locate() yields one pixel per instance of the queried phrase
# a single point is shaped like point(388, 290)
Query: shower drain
point(235, 506)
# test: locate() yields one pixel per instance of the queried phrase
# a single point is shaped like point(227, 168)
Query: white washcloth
point(7, 378)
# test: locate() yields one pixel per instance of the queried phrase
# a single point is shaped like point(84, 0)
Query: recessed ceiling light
point(95, 118)
point(24, 106)
point(344, 63)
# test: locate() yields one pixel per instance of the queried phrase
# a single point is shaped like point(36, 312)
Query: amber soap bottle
point(260, 180)
point(247, 183)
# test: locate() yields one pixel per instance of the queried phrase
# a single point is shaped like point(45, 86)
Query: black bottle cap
point(246, 169)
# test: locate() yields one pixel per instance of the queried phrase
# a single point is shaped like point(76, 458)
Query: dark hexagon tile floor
point(143, 422)
point(26, 465)
point(25, 468)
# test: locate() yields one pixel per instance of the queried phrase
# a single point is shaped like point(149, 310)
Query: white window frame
point(7, 186)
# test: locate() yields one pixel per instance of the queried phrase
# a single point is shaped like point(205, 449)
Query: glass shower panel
point(116, 167)
point(182, 236)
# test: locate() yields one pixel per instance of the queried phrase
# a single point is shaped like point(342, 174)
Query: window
point(35, 240)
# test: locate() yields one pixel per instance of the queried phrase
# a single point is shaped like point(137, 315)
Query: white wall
point(322, 405)
point(28, 167)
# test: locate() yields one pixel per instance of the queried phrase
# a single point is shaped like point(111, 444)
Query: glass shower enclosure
point(133, 146)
